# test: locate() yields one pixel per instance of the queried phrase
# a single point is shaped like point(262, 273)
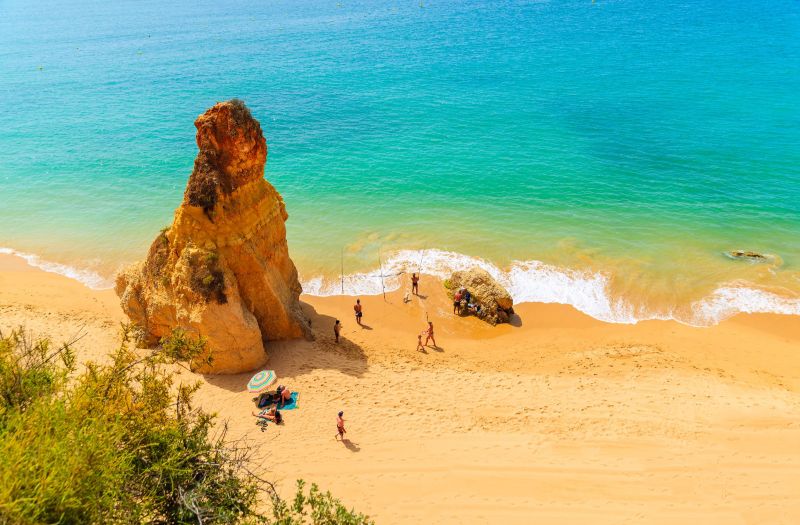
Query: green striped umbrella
point(261, 380)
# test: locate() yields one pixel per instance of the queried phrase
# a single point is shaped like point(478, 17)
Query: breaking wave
point(527, 281)
point(538, 282)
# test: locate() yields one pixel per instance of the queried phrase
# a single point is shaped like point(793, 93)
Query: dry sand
point(559, 419)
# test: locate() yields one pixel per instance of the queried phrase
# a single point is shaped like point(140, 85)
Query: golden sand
point(560, 419)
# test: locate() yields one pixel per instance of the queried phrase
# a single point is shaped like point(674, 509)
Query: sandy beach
point(557, 418)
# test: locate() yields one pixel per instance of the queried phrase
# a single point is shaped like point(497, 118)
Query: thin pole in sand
point(380, 264)
point(342, 271)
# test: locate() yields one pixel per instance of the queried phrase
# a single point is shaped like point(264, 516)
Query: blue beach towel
point(291, 405)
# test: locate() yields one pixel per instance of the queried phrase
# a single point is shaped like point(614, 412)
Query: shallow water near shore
point(602, 155)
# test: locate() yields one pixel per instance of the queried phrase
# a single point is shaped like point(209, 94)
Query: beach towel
point(291, 405)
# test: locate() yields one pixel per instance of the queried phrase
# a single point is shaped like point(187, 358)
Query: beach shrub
point(182, 346)
point(207, 278)
point(121, 443)
point(115, 443)
point(315, 507)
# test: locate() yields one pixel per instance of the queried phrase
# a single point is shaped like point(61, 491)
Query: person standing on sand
point(337, 328)
point(414, 284)
point(420, 346)
point(359, 313)
point(429, 333)
point(340, 431)
point(457, 303)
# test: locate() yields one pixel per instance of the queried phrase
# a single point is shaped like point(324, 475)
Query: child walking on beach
point(340, 431)
point(414, 284)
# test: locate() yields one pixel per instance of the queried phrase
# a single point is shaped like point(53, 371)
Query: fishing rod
point(380, 264)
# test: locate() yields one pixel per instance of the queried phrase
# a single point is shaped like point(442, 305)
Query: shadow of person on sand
point(352, 447)
point(363, 327)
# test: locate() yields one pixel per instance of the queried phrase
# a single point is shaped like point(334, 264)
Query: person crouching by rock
point(457, 303)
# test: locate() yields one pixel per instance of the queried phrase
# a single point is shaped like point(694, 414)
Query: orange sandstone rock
point(222, 270)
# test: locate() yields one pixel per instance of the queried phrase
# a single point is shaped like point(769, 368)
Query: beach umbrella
point(261, 380)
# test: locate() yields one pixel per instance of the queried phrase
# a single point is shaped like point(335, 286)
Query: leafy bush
point(120, 443)
point(316, 508)
point(181, 346)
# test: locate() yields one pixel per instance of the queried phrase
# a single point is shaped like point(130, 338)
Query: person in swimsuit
point(414, 284)
point(429, 333)
point(337, 328)
point(340, 431)
point(457, 303)
point(420, 346)
point(357, 308)
point(270, 415)
point(284, 396)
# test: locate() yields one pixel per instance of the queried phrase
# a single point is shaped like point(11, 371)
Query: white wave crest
point(89, 278)
point(735, 298)
point(526, 281)
point(538, 282)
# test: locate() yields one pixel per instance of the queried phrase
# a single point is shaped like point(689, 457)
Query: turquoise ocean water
point(600, 154)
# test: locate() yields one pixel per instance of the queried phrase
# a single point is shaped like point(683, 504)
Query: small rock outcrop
point(496, 304)
point(222, 269)
point(751, 256)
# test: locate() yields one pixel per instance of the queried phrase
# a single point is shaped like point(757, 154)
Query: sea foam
point(527, 282)
point(89, 278)
point(538, 282)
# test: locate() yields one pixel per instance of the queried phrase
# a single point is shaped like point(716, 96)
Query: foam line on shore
point(527, 281)
point(538, 282)
point(89, 278)
point(727, 301)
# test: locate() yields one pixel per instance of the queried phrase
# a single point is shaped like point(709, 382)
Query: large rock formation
point(496, 304)
point(222, 270)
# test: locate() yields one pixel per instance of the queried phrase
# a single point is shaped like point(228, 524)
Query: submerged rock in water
point(496, 304)
point(752, 256)
point(222, 270)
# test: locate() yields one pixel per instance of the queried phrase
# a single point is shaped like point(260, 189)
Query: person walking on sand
point(340, 431)
point(429, 333)
point(337, 328)
point(414, 284)
point(420, 346)
point(359, 313)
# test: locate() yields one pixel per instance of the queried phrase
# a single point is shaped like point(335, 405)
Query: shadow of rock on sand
point(515, 320)
point(294, 358)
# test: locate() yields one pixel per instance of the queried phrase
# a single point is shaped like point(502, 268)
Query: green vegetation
point(120, 442)
point(315, 508)
point(207, 278)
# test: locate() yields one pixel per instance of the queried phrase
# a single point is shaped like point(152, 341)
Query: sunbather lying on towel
point(270, 415)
